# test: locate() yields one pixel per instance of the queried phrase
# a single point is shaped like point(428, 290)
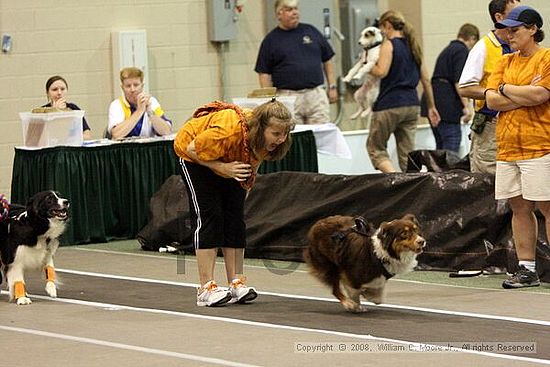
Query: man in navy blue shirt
point(295, 58)
point(452, 108)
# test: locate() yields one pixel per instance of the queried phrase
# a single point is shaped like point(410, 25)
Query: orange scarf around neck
point(219, 106)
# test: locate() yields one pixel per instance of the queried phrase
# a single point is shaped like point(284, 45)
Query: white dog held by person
point(370, 39)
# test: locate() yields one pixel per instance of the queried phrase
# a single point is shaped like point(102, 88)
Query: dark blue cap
point(521, 15)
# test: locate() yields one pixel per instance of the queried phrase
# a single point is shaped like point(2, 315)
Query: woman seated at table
point(56, 90)
point(136, 113)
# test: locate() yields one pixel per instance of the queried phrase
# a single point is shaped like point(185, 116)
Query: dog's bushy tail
point(324, 250)
point(328, 234)
point(321, 267)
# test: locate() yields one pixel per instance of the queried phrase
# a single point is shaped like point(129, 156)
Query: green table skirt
point(110, 186)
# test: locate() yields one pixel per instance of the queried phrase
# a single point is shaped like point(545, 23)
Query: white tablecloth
point(328, 136)
point(329, 139)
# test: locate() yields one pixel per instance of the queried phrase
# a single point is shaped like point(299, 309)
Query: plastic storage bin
point(52, 128)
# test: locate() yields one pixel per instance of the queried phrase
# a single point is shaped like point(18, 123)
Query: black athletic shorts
point(217, 207)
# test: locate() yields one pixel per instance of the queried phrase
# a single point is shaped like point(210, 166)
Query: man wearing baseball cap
point(520, 89)
point(521, 15)
point(479, 65)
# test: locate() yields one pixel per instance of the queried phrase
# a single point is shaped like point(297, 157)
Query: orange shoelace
point(239, 282)
point(212, 286)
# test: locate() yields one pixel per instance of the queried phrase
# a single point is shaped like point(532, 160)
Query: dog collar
point(374, 45)
point(385, 271)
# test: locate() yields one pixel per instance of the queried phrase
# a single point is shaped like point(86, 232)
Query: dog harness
point(362, 227)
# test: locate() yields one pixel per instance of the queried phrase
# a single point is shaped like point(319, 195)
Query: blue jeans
point(447, 136)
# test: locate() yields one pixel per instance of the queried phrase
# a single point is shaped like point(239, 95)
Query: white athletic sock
point(529, 265)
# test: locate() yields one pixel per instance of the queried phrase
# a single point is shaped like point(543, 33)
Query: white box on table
point(52, 128)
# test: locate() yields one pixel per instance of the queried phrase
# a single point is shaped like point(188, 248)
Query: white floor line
point(323, 299)
point(462, 286)
point(124, 277)
point(156, 256)
point(172, 258)
point(109, 306)
point(135, 348)
point(298, 270)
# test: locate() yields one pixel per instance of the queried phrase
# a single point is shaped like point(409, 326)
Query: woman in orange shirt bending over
point(220, 150)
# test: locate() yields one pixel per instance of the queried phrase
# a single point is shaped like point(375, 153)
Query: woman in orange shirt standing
point(520, 89)
point(220, 150)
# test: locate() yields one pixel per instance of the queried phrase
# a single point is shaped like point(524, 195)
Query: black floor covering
point(408, 325)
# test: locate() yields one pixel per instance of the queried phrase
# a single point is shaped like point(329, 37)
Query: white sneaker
point(240, 293)
point(210, 295)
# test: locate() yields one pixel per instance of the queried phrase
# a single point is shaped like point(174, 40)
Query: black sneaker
point(521, 279)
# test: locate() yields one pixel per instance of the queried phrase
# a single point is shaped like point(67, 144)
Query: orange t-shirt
point(523, 133)
point(218, 136)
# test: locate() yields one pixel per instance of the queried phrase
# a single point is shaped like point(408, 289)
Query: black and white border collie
point(355, 259)
point(29, 238)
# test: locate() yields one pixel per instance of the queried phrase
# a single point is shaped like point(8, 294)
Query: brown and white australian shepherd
point(29, 238)
point(357, 260)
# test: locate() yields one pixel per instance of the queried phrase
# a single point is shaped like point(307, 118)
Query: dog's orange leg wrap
point(50, 273)
point(19, 290)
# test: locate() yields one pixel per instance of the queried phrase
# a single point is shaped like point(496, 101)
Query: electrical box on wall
point(355, 15)
point(222, 20)
point(129, 49)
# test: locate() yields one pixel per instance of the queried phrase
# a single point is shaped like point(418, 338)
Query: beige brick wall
point(442, 19)
point(73, 39)
point(436, 23)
